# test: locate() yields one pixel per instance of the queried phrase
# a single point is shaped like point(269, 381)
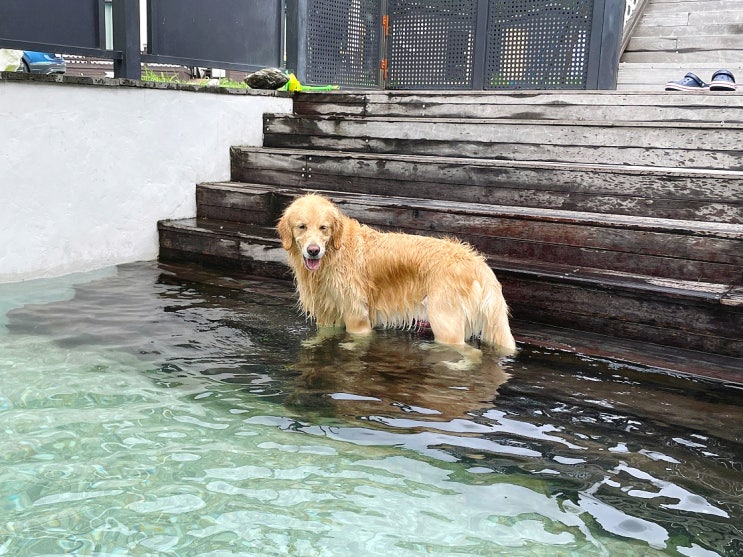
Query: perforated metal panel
point(431, 44)
point(463, 44)
point(538, 44)
point(343, 42)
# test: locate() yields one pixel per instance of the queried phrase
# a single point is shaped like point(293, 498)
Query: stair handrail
point(632, 16)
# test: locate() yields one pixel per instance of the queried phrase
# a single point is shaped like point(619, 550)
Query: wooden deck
point(614, 220)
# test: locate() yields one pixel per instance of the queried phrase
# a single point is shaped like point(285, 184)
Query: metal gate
point(461, 44)
point(336, 41)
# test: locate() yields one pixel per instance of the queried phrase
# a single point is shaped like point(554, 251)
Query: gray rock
point(267, 78)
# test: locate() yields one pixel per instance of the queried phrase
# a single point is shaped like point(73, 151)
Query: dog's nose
point(313, 250)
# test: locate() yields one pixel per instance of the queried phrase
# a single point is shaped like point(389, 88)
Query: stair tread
point(654, 105)
point(706, 228)
point(676, 360)
point(501, 163)
point(610, 279)
point(530, 97)
point(215, 226)
point(603, 124)
point(605, 279)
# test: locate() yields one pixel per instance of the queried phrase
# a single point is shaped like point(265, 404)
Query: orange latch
point(386, 25)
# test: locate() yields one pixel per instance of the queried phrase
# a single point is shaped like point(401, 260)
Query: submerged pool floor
point(160, 410)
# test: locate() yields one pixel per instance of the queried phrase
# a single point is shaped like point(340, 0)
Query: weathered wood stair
point(606, 213)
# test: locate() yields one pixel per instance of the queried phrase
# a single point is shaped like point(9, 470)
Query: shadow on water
point(631, 454)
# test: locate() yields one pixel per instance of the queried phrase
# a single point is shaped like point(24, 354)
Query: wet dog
point(349, 274)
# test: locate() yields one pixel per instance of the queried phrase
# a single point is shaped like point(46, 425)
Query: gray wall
point(86, 171)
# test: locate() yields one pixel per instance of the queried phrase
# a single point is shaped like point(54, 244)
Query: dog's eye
point(323, 227)
point(302, 226)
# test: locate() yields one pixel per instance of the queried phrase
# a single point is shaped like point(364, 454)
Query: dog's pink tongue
point(312, 264)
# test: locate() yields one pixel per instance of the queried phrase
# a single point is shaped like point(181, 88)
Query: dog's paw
point(312, 342)
point(323, 334)
point(469, 360)
point(464, 364)
point(355, 343)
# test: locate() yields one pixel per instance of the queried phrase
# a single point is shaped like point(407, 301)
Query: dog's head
point(311, 225)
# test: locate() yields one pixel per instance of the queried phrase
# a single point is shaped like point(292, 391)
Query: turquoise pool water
point(148, 410)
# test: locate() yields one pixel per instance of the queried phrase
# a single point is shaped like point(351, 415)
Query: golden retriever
point(349, 274)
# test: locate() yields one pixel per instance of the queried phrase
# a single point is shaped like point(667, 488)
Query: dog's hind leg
point(447, 321)
point(449, 329)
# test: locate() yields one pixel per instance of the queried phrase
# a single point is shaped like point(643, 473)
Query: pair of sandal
point(722, 80)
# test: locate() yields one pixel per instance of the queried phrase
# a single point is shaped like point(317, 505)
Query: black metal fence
point(393, 44)
point(72, 26)
point(461, 44)
point(229, 34)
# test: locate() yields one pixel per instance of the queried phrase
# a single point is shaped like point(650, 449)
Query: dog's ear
point(338, 224)
point(285, 232)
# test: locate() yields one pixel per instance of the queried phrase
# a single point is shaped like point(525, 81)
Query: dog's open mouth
point(312, 264)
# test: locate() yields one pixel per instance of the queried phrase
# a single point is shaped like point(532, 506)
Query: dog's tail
point(491, 313)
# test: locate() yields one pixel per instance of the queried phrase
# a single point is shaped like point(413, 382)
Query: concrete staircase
point(673, 37)
point(610, 218)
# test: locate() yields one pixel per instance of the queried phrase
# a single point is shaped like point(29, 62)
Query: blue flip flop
point(723, 80)
point(691, 82)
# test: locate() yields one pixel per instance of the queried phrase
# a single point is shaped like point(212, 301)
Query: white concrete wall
point(86, 171)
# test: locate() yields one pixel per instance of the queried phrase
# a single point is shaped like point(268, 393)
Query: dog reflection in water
point(394, 372)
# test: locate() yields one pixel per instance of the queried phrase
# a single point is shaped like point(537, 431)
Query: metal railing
point(632, 15)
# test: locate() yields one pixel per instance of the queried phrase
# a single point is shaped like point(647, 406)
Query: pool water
point(152, 410)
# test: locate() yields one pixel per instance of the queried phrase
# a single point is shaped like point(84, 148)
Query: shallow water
point(149, 410)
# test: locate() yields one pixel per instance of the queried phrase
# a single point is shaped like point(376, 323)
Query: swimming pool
point(161, 410)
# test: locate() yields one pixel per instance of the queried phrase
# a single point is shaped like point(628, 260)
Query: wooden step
point(251, 249)
point(655, 51)
point(687, 314)
point(526, 105)
point(671, 46)
point(675, 249)
point(660, 144)
point(687, 194)
point(698, 364)
point(239, 202)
